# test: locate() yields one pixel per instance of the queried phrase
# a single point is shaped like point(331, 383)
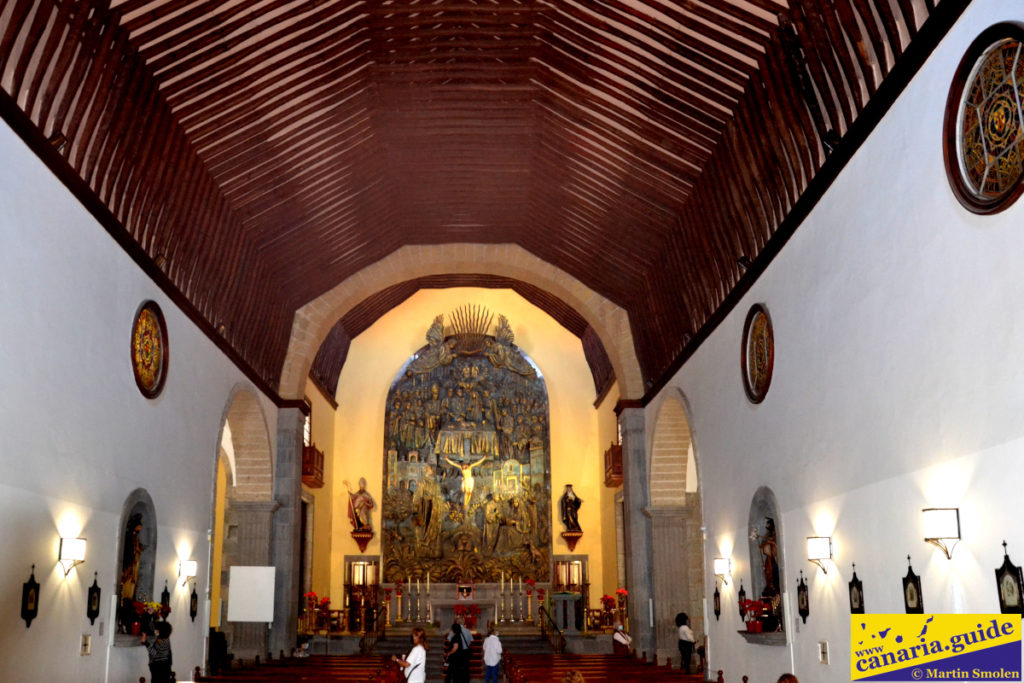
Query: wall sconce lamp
point(71, 553)
point(722, 568)
point(942, 528)
point(187, 570)
point(819, 551)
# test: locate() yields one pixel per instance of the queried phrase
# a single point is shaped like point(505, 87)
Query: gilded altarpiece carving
point(467, 483)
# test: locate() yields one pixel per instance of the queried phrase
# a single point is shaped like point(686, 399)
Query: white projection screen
point(251, 594)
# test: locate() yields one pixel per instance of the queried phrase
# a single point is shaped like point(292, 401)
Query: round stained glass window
point(149, 349)
point(758, 356)
point(984, 125)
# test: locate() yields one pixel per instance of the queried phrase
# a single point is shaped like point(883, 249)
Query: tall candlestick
point(503, 583)
point(428, 582)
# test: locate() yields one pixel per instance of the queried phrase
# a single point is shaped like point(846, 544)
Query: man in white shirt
point(492, 656)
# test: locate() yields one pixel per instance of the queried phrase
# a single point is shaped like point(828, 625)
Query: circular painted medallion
point(758, 356)
point(984, 126)
point(149, 349)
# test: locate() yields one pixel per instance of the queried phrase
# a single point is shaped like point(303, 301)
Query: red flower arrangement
point(472, 610)
point(531, 583)
point(607, 601)
point(621, 592)
point(469, 613)
point(153, 609)
point(325, 603)
point(312, 599)
point(752, 608)
point(399, 585)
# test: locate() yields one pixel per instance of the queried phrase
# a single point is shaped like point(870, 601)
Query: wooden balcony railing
point(613, 466)
point(312, 467)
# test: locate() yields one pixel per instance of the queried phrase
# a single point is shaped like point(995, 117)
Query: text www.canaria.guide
point(874, 658)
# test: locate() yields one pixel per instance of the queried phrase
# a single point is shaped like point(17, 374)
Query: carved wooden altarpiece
point(467, 483)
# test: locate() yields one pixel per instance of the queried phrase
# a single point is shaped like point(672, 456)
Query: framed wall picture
point(717, 603)
point(193, 604)
point(741, 597)
point(149, 349)
point(856, 594)
point(803, 604)
point(92, 605)
point(30, 599)
point(757, 359)
point(1010, 585)
point(912, 599)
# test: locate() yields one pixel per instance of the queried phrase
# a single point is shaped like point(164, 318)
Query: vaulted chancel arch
point(314, 320)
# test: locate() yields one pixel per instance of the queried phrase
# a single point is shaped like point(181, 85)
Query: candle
point(503, 583)
point(417, 584)
point(520, 583)
point(428, 582)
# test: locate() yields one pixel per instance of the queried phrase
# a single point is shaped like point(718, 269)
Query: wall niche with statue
point(767, 569)
point(136, 564)
point(467, 476)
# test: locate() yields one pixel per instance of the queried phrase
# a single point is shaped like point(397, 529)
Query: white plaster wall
point(76, 436)
point(897, 386)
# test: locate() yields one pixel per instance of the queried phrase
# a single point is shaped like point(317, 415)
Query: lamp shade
point(941, 523)
point(722, 566)
point(819, 548)
point(71, 553)
point(187, 569)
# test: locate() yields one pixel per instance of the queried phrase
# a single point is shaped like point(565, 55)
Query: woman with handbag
point(415, 663)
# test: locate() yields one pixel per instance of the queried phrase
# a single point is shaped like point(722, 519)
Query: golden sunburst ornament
point(149, 349)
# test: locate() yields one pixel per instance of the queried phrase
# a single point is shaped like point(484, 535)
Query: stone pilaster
point(248, 527)
point(637, 528)
point(286, 543)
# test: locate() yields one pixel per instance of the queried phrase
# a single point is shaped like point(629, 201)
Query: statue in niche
point(467, 478)
point(769, 546)
point(132, 554)
point(570, 505)
point(360, 507)
point(130, 557)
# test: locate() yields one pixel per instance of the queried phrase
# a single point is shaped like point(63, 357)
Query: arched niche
point(136, 557)
point(677, 541)
point(767, 566)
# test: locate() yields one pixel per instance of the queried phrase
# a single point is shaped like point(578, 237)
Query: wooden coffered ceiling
point(260, 152)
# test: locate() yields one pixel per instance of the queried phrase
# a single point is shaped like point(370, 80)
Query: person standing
point(415, 663)
point(492, 656)
point(159, 653)
point(686, 640)
point(622, 642)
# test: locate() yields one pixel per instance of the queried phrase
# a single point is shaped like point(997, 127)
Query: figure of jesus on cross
point(467, 478)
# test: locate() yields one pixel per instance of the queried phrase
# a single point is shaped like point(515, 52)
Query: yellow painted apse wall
point(579, 432)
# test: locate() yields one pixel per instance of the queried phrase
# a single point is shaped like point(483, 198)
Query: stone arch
point(314, 320)
point(253, 468)
point(244, 447)
point(670, 448)
point(677, 542)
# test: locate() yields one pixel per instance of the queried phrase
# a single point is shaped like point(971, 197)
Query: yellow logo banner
point(935, 647)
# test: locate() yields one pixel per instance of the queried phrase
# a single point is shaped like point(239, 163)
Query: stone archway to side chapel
point(677, 547)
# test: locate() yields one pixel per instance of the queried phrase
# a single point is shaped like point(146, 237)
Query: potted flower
point(469, 613)
point(608, 602)
point(752, 611)
point(530, 585)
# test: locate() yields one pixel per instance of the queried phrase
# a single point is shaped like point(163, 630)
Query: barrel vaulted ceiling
point(260, 152)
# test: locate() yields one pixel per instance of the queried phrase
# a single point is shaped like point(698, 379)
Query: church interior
point(550, 315)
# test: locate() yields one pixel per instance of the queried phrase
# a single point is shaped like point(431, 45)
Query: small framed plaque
point(912, 591)
point(465, 591)
point(1009, 580)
